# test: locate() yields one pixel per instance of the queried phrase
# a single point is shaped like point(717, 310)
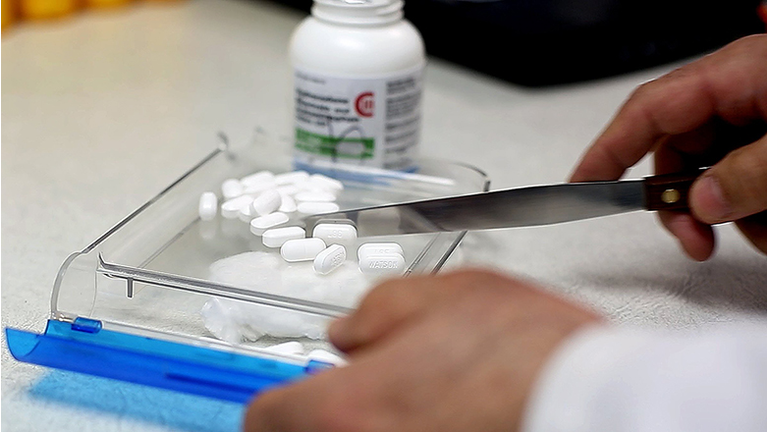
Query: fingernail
point(708, 201)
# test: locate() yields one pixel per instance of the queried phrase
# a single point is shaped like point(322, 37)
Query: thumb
point(732, 189)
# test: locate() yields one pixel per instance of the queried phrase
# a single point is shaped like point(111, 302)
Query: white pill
point(258, 177)
point(330, 259)
point(259, 187)
point(392, 263)
point(291, 348)
point(325, 356)
point(275, 237)
point(246, 214)
point(231, 188)
point(291, 177)
point(263, 223)
point(326, 182)
point(288, 205)
point(316, 196)
point(378, 249)
point(231, 208)
point(310, 207)
point(208, 206)
point(289, 189)
point(335, 233)
point(305, 249)
point(267, 202)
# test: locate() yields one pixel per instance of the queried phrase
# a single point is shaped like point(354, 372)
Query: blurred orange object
point(105, 3)
point(46, 9)
point(8, 14)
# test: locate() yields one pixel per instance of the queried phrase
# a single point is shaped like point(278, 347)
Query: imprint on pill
point(339, 233)
point(382, 264)
point(366, 249)
point(330, 259)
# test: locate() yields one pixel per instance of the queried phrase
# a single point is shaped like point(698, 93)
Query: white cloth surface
point(621, 379)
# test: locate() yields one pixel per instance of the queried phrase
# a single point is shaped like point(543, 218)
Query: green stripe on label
point(327, 146)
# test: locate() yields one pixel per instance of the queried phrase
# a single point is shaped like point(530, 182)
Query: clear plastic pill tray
point(128, 306)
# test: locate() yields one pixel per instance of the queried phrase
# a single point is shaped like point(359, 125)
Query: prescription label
point(362, 121)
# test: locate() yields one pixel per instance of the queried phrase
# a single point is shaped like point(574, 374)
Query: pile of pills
point(267, 202)
point(313, 266)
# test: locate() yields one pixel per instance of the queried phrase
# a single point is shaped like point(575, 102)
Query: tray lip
point(293, 303)
point(157, 278)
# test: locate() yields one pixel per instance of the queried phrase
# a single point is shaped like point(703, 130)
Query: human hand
point(456, 352)
point(712, 111)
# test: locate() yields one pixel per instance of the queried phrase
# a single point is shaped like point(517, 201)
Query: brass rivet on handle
point(670, 196)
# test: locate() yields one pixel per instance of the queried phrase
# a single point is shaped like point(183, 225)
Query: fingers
point(311, 405)
point(697, 239)
point(382, 311)
point(729, 83)
point(732, 189)
point(392, 304)
point(753, 228)
point(271, 411)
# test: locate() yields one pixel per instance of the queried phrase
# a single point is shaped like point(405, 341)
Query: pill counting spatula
point(520, 207)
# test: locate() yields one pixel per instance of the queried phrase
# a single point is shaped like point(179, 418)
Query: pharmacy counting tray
point(128, 306)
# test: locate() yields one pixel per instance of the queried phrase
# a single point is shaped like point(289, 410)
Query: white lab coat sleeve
point(615, 379)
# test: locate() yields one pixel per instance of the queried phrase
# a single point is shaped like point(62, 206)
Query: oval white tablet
point(330, 259)
point(326, 182)
point(289, 189)
point(305, 249)
point(231, 208)
point(291, 177)
point(316, 196)
point(310, 208)
point(339, 233)
point(231, 188)
point(258, 177)
point(267, 202)
point(291, 348)
point(288, 205)
point(326, 356)
point(275, 237)
point(258, 188)
point(392, 263)
point(246, 214)
point(208, 206)
point(378, 249)
point(263, 223)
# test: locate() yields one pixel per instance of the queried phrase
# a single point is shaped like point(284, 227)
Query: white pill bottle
point(357, 85)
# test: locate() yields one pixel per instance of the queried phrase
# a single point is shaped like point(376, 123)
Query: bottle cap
point(358, 12)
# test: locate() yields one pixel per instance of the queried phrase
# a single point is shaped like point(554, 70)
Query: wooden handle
point(669, 191)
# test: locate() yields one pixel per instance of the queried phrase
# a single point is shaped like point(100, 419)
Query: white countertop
point(102, 111)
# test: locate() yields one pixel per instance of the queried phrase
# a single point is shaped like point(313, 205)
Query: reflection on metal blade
point(530, 206)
